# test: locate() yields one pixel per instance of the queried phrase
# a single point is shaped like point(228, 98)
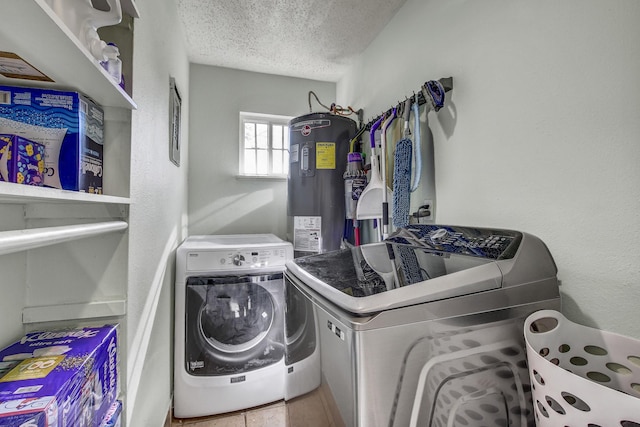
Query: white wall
point(219, 202)
point(158, 211)
point(13, 267)
point(540, 133)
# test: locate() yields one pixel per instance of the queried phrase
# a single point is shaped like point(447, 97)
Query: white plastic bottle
point(113, 64)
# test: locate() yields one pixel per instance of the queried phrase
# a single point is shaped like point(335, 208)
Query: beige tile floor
point(310, 410)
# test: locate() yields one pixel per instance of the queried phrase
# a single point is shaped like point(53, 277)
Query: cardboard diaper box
point(21, 160)
point(59, 378)
point(68, 124)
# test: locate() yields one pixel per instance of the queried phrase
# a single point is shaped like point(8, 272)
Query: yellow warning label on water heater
point(325, 155)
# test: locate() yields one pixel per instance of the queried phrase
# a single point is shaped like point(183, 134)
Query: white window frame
point(269, 120)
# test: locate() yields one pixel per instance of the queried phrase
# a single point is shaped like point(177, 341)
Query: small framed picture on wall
point(175, 108)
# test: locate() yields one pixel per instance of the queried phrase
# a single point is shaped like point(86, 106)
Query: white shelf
point(91, 274)
point(22, 240)
point(91, 310)
point(31, 30)
point(25, 194)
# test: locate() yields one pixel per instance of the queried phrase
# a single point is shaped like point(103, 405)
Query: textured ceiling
point(315, 39)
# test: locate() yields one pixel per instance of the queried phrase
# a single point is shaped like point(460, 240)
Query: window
point(264, 145)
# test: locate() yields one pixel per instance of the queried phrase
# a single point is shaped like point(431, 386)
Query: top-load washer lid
point(422, 263)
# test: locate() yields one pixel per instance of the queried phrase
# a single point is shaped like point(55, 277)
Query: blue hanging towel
point(402, 174)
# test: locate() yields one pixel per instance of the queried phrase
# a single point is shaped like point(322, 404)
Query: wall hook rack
point(446, 83)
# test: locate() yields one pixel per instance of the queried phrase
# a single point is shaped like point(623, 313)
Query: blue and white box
point(69, 125)
point(60, 378)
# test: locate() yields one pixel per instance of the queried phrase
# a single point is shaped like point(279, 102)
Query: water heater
point(319, 144)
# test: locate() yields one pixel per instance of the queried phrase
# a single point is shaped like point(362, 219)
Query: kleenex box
point(60, 378)
point(21, 160)
point(69, 125)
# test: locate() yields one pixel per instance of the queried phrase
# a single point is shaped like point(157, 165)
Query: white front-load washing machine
point(229, 323)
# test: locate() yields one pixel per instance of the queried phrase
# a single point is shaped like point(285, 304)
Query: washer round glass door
point(233, 324)
point(234, 319)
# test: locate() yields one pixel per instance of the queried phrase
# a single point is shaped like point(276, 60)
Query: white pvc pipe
point(22, 240)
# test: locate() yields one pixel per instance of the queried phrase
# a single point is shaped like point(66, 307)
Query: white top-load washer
point(422, 329)
point(229, 323)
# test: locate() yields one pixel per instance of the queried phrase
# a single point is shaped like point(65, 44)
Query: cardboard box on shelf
point(69, 125)
point(60, 378)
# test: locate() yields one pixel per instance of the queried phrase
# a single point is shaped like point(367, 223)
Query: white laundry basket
point(581, 376)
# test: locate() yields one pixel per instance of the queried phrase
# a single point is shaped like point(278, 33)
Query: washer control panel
point(243, 258)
